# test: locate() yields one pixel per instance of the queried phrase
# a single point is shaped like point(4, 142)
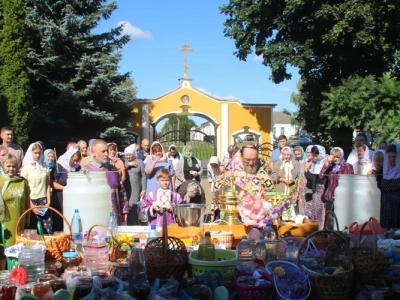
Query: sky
point(159, 28)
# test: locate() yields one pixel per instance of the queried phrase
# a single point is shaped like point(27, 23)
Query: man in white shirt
point(173, 155)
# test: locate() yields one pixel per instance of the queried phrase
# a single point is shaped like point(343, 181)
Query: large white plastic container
point(357, 198)
point(91, 194)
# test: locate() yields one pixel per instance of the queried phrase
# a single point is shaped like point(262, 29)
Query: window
point(282, 130)
point(274, 131)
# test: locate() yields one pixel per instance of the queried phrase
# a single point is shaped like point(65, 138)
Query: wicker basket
point(165, 257)
point(222, 237)
point(323, 239)
point(330, 286)
point(119, 265)
point(55, 244)
point(369, 263)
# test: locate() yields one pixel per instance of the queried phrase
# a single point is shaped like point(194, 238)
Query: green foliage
point(286, 111)
point(76, 88)
point(365, 103)
point(14, 83)
point(177, 129)
point(327, 41)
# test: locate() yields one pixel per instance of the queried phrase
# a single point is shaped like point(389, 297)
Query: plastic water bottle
point(31, 258)
point(245, 251)
point(291, 251)
point(139, 286)
point(112, 225)
point(260, 250)
point(271, 243)
point(152, 234)
point(206, 248)
point(269, 232)
point(253, 236)
point(76, 227)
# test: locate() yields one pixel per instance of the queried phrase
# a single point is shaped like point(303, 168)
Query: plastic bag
point(355, 227)
point(166, 292)
point(141, 216)
point(48, 296)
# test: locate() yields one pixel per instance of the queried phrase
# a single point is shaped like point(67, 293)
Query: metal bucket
point(190, 214)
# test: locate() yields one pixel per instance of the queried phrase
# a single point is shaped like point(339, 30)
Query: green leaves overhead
point(327, 40)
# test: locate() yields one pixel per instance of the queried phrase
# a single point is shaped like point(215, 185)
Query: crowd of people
point(311, 176)
point(145, 181)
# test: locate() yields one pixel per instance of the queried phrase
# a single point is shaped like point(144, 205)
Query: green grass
point(201, 150)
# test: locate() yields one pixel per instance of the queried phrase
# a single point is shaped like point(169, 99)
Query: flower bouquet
point(256, 208)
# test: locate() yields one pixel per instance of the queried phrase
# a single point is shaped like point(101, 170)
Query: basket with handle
point(219, 237)
point(55, 244)
point(293, 284)
point(112, 241)
point(323, 239)
point(166, 256)
point(328, 286)
point(369, 263)
point(119, 266)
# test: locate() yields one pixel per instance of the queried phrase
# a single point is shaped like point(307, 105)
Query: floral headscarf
point(189, 159)
point(337, 167)
point(163, 157)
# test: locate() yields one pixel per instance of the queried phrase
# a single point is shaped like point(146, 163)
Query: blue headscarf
point(49, 165)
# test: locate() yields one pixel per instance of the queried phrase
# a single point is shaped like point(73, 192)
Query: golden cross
point(185, 49)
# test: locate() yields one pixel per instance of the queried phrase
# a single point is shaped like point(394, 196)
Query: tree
point(14, 82)
point(77, 91)
point(286, 111)
point(365, 103)
point(174, 130)
point(326, 40)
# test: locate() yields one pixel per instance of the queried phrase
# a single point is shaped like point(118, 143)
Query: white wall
point(207, 128)
point(288, 129)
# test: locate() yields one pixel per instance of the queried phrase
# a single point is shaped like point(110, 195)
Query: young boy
point(160, 201)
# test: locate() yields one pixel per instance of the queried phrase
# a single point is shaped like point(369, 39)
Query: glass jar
point(70, 259)
point(96, 254)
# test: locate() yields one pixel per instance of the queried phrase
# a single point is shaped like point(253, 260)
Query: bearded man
point(249, 170)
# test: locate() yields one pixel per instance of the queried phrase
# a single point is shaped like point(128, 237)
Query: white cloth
point(390, 172)
point(65, 159)
point(131, 149)
point(317, 165)
point(29, 160)
point(363, 165)
point(353, 157)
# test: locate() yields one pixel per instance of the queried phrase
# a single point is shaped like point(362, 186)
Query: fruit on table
point(279, 272)
point(339, 270)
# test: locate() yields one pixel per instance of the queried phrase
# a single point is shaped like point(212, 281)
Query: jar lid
point(70, 254)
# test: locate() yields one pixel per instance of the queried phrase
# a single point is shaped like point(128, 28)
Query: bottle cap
point(136, 240)
point(76, 210)
point(70, 254)
point(269, 224)
point(152, 227)
point(207, 233)
point(112, 214)
point(244, 237)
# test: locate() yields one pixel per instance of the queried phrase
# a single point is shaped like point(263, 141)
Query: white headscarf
point(28, 158)
point(131, 149)
point(337, 167)
point(390, 172)
point(318, 164)
point(65, 159)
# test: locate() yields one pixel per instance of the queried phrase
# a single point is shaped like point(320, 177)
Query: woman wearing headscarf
point(377, 166)
point(68, 162)
point(192, 192)
point(49, 159)
point(316, 207)
point(363, 165)
point(390, 206)
point(135, 183)
point(115, 160)
point(38, 177)
point(334, 165)
point(303, 194)
point(284, 174)
point(155, 161)
point(14, 200)
point(213, 171)
point(192, 169)
point(299, 154)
